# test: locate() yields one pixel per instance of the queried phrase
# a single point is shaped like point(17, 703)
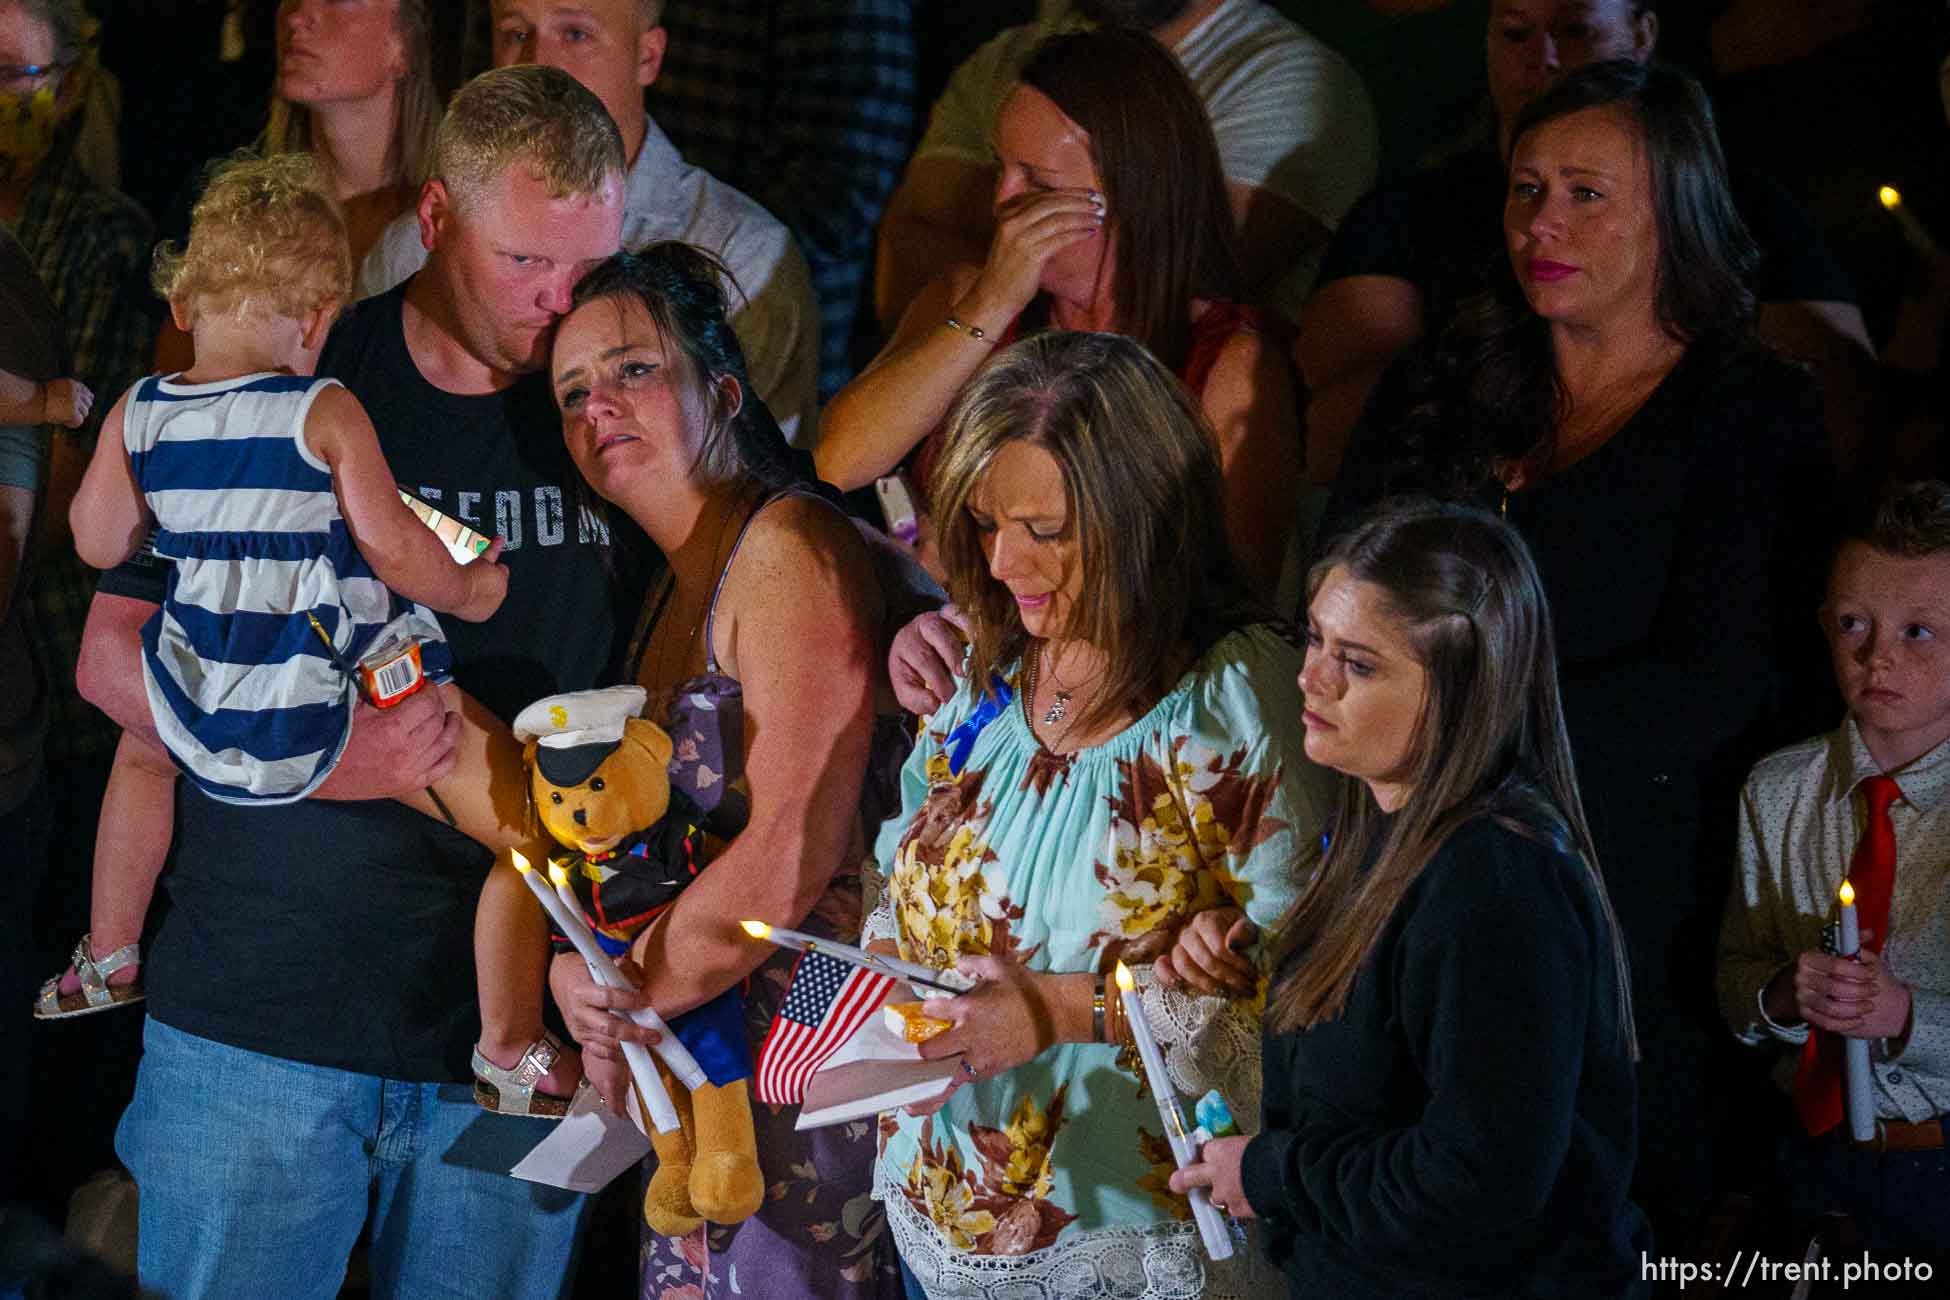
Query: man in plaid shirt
point(91, 248)
point(807, 106)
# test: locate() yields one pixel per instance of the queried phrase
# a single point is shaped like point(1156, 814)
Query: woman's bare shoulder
point(799, 549)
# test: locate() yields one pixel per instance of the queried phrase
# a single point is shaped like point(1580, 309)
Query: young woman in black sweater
point(1449, 1105)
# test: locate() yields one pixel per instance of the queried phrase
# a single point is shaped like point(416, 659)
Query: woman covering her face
point(1110, 214)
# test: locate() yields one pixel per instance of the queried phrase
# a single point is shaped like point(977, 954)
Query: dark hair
point(1164, 188)
point(683, 288)
point(1490, 383)
point(1141, 478)
point(1490, 742)
point(1910, 520)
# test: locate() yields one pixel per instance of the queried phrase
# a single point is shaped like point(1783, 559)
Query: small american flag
point(827, 1000)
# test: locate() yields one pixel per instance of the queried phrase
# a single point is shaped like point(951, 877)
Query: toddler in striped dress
point(281, 525)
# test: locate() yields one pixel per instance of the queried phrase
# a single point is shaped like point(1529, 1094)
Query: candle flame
point(1124, 981)
point(1891, 197)
point(521, 863)
point(558, 874)
point(757, 929)
point(1848, 894)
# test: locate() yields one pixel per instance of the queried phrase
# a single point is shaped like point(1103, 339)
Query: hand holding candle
point(568, 919)
point(1211, 1226)
point(1860, 1093)
point(683, 1066)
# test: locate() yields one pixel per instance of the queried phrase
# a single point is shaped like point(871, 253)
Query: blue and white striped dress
point(247, 700)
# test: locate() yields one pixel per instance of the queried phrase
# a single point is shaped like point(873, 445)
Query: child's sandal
point(513, 1092)
point(96, 994)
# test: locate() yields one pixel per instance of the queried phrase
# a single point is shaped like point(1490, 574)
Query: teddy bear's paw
point(667, 1207)
point(727, 1186)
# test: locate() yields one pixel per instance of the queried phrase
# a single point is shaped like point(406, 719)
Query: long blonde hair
point(1490, 742)
point(416, 107)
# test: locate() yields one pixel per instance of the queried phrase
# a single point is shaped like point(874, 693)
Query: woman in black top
point(1449, 1106)
point(1668, 473)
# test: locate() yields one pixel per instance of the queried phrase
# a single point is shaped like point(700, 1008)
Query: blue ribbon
point(962, 739)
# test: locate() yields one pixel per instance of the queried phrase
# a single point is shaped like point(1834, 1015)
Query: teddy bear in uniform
point(600, 783)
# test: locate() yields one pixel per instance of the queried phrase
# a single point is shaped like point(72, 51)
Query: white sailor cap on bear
point(575, 731)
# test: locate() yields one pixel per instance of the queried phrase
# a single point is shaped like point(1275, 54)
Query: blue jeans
point(256, 1175)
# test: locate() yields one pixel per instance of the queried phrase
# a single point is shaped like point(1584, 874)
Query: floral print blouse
point(1054, 1172)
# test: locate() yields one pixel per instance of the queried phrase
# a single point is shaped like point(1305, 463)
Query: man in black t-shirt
point(311, 987)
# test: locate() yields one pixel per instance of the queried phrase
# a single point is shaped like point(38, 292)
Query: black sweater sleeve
point(1491, 975)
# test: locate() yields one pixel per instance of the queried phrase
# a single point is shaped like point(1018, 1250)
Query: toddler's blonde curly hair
point(264, 237)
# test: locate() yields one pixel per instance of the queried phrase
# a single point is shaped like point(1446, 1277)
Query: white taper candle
point(1860, 1083)
point(683, 1066)
point(1211, 1226)
point(643, 1071)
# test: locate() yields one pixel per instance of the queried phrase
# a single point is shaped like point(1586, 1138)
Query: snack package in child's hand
point(391, 672)
point(905, 1021)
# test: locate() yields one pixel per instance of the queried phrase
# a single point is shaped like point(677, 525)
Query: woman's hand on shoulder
point(925, 659)
point(1209, 954)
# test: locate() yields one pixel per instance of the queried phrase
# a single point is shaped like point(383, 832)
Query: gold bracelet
point(1097, 1012)
point(1114, 1020)
point(975, 332)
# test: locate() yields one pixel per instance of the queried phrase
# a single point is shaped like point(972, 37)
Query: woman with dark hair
point(1419, 245)
point(1450, 1041)
point(1670, 475)
point(766, 628)
point(1117, 759)
point(1110, 215)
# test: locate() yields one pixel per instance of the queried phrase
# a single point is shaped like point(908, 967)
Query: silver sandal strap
point(94, 974)
point(536, 1062)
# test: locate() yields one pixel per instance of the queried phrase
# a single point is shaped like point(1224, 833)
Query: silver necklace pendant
point(1058, 707)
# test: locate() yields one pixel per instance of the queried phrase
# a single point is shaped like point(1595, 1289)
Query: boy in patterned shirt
point(1869, 801)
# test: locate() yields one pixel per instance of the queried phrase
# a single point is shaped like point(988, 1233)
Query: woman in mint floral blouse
point(1125, 752)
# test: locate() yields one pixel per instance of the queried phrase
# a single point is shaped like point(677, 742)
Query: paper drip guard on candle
point(1913, 230)
point(656, 1100)
point(683, 1066)
point(1860, 1090)
point(925, 979)
point(1211, 1224)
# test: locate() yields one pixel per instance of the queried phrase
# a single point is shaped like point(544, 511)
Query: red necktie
point(1872, 873)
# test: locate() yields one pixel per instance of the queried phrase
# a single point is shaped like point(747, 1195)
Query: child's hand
point(66, 402)
point(1855, 998)
point(487, 586)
